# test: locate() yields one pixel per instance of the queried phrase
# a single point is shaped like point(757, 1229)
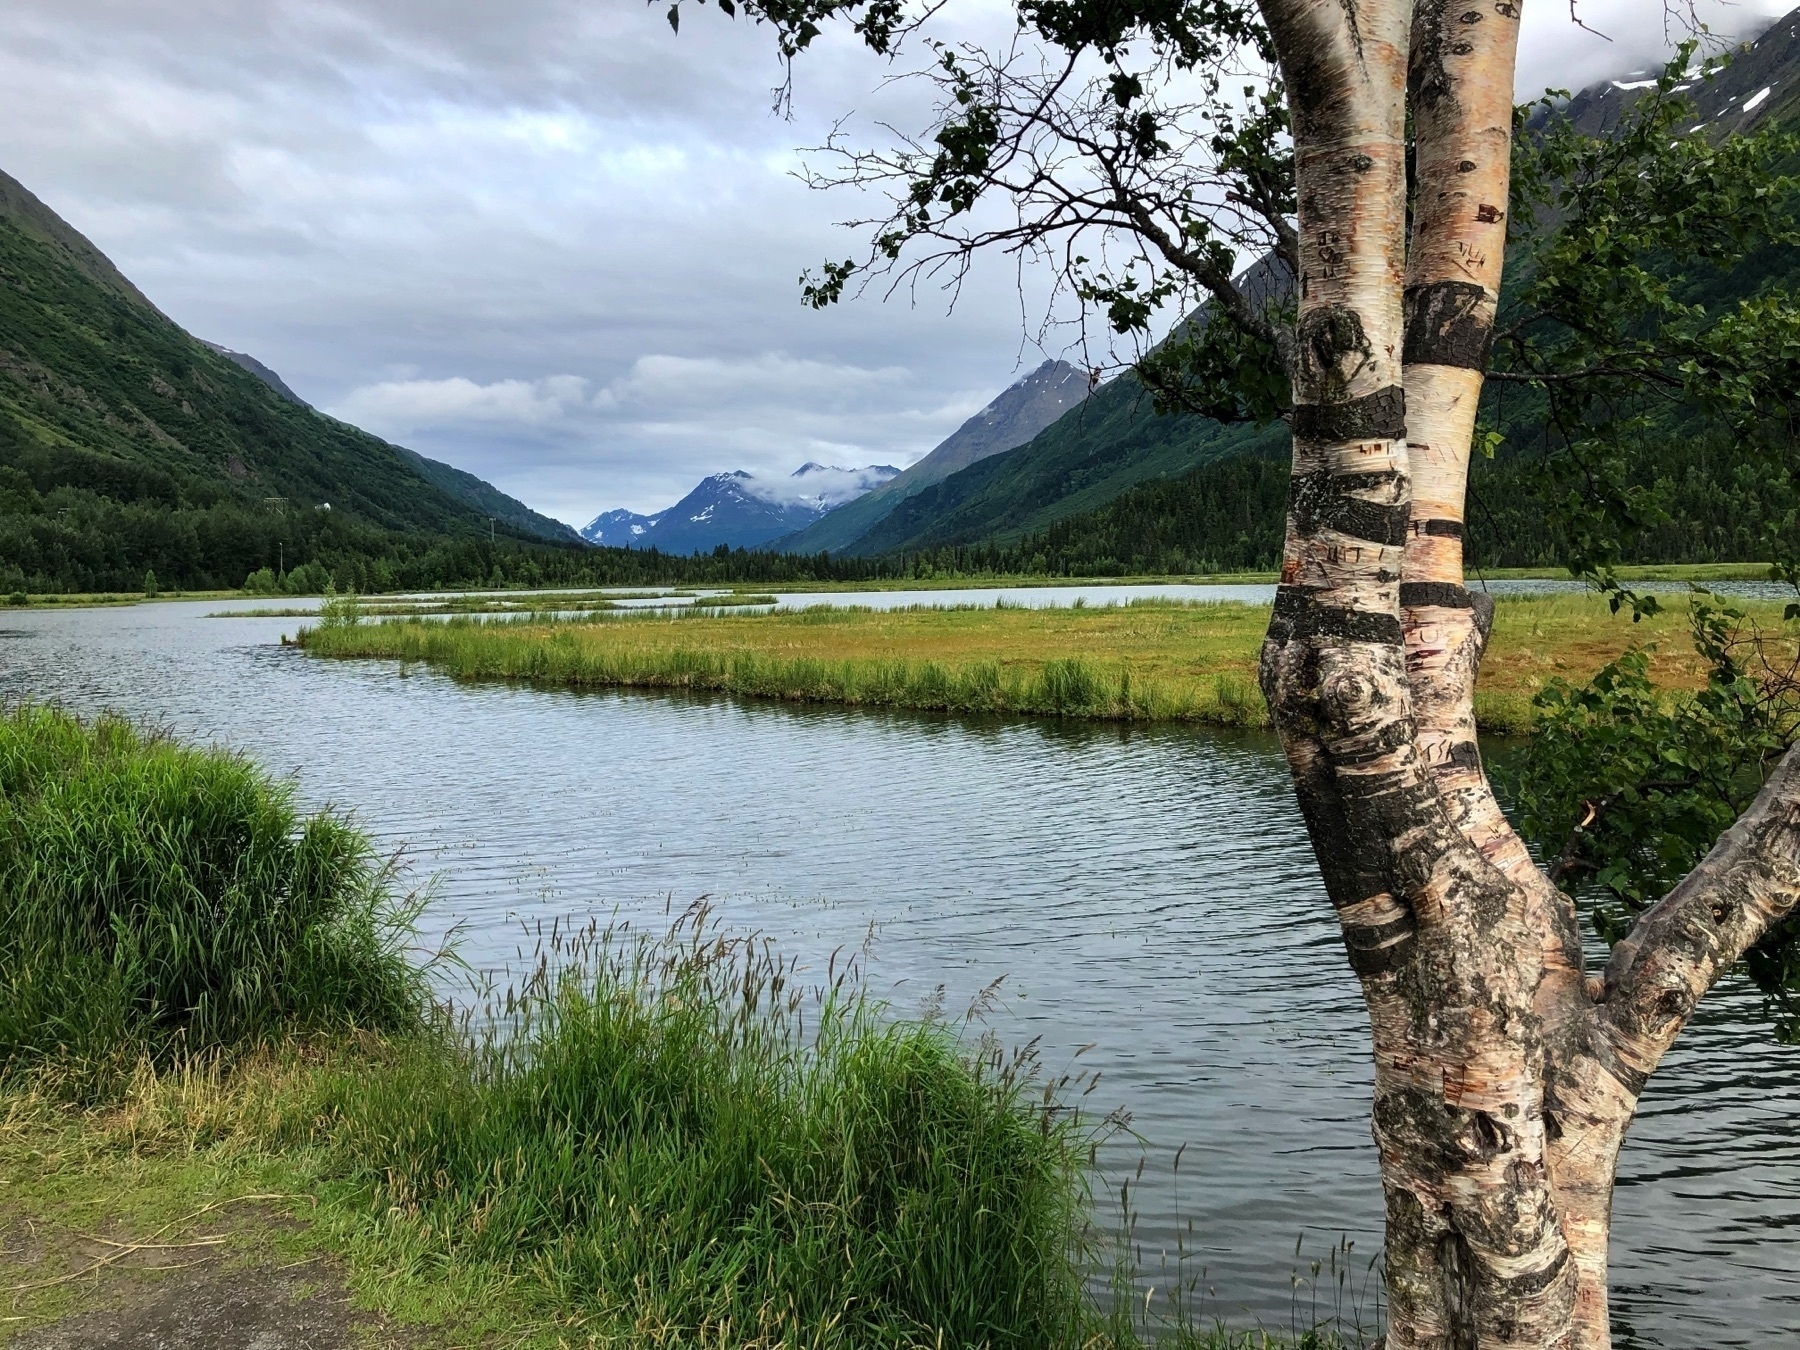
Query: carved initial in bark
point(1504, 1081)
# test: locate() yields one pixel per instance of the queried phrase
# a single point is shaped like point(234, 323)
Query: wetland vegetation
point(1146, 660)
point(207, 995)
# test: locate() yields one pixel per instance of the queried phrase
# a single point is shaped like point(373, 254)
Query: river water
point(1146, 890)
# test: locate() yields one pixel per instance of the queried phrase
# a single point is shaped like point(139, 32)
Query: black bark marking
point(1321, 501)
point(1356, 38)
point(1334, 349)
point(1434, 595)
point(1380, 416)
point(1426, 1126)
point(1375, 949)
point(1428, 82)
point(1532, 1281)
point(1353, 866)
point(1485, 1138)
point(1465, 755)
point(1299, 615)
point(1457, 1261)
point(1390, 738)
point(1439, 528)
point(1448, 324)
point(1312, 90)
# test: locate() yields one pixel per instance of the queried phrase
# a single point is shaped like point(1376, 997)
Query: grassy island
point(1145, 660)
point(208, 1008)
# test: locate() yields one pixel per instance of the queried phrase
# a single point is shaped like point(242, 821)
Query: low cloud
point(768, 378)
point(403, 408)
point(823, 485)
point(649, 435)
point(1616, 37)
point(550, 241)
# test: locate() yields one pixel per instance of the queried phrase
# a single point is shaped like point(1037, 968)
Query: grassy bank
point(1150, 661)
point(158, 902)
point(651, 1141)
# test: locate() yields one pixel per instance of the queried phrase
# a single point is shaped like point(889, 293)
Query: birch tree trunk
point(1504, 1080)
point(1505, 1077)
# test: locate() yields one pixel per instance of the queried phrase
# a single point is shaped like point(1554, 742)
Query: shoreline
point(1664, 572)
point(1146, 661)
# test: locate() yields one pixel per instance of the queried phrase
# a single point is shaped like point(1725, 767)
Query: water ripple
point(1151, 891)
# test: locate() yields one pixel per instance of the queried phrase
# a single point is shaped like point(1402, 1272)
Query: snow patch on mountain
point(739, 509)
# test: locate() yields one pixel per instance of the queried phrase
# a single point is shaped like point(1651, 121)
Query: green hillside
point(1111, 443)
point(1228, 515)
point(127, 445)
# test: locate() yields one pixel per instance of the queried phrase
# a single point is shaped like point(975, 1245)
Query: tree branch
point(1684, 943)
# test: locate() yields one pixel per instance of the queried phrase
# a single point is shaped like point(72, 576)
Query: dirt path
point(224, 1290)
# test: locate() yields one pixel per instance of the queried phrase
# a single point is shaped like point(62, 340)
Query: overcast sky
point(548, 241)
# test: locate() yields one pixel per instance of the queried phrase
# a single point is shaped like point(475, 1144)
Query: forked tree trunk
point(1504, 1081)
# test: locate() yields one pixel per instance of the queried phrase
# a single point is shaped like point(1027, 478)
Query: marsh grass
point(684, 652)
point(672, 1138)
point(158, 901)
point(1145, 660)
point(685, 1143)
point(731, 600)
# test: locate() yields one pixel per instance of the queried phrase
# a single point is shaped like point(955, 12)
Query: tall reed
point(159, 901)
point(579, 655)
point(679, 1140)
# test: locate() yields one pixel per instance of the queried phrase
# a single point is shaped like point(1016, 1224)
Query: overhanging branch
point(1682, 945)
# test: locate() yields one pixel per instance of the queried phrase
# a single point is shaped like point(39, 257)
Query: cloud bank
point(548, 241)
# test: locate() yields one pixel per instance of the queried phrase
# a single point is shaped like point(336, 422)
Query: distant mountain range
point(1090, 455)
point(1050, 447)
point(1013, 418)
point(1761, 84)
point(739, 510)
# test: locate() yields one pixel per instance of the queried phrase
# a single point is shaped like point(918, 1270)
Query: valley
point(980, 887)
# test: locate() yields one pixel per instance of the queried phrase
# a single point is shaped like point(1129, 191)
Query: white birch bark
point(1504, 1080)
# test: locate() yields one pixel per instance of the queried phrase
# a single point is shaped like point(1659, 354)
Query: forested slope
point(1086, 458)
point(127, 445)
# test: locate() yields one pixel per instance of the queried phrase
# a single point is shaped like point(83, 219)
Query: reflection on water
point(1149, 891)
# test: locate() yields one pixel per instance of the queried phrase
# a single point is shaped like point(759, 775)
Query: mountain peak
point(245, 361)
point(1016, 414)
point(739, 509)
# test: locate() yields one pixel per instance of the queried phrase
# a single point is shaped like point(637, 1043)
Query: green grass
point(834, 656)
point(650, 1140)
point(1145, 660)
point(683, 1144)
point(158, 901)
